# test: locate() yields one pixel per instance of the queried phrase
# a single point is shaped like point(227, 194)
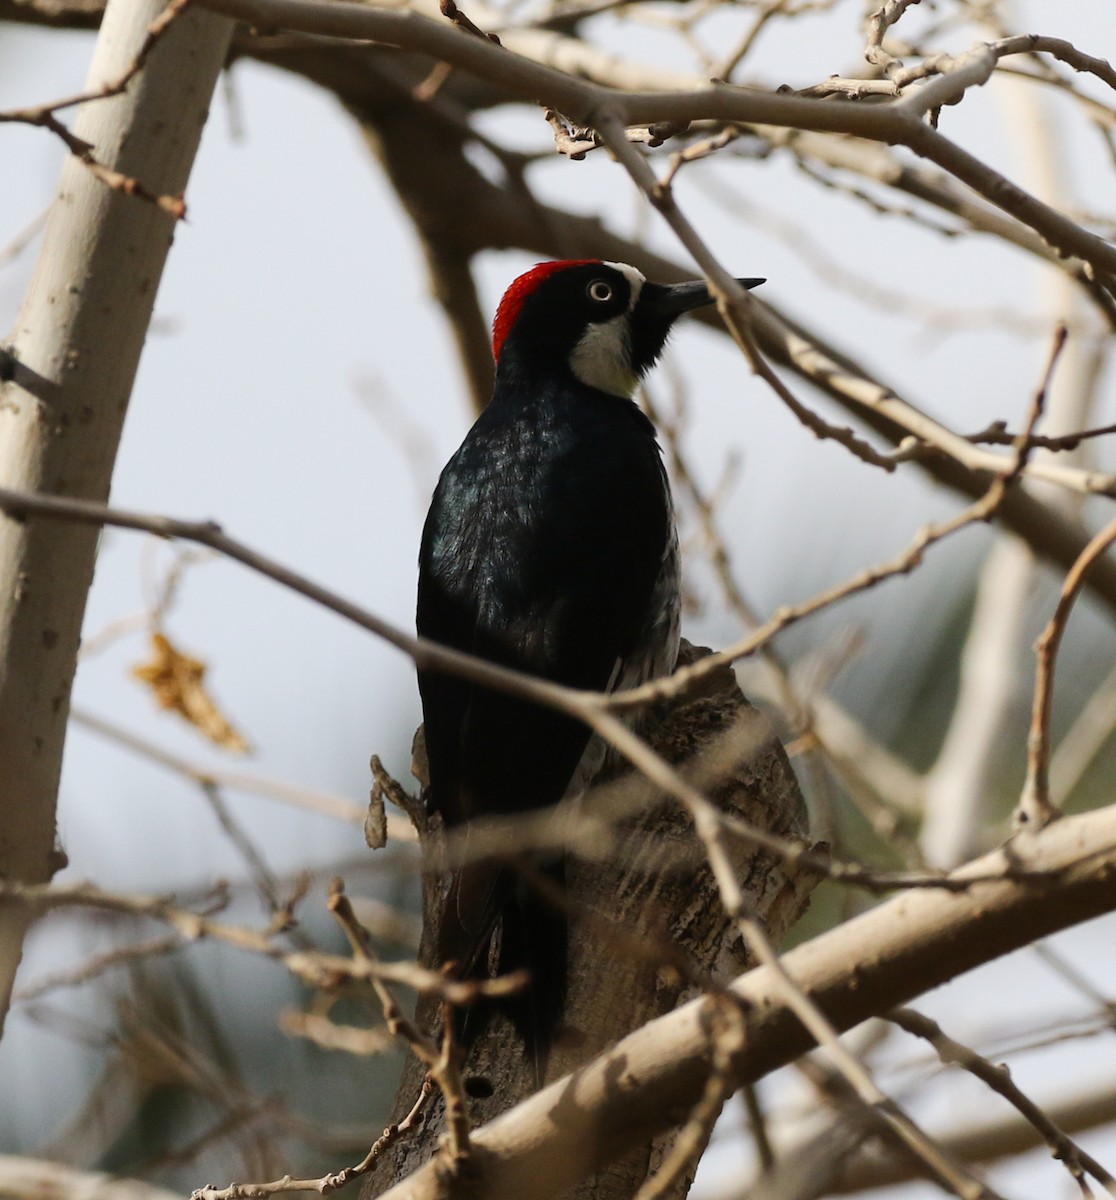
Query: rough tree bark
point(632, 911)
point(1040, 882)
point(67, 376)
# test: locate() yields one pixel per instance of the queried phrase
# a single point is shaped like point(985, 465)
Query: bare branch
point(929, 536)
point(314, 967)
point(30, 1178)
point(44, 116)
point(450, 9)
point(728, 1036)
point(310, 799)
point(984, 1141)
point(94, 967)
point(1062, 1147)
point(878, 24)
point(327, 1183)
point(584, 102)
point(441, 1062)
point(952, 1175)
point(868, 965)
point(329, 1035)
point(1035, 804)
point(595, 709)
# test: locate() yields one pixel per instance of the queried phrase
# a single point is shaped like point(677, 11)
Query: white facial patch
point(603, 357)
point(636, 280)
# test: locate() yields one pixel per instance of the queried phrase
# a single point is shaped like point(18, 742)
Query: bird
point(550, 547)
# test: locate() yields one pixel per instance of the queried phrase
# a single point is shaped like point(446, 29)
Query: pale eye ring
point(600, 290)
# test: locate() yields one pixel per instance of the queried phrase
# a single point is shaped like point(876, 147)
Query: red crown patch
point(516, 296)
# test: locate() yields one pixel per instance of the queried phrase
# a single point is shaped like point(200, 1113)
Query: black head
point(602, 321)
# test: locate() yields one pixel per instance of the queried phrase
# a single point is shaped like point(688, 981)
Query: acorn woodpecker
point(550, 547)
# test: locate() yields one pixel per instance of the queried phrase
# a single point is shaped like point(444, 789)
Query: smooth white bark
point(73, 358)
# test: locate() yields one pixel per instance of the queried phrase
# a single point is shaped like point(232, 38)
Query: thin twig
point(312, 799)
point(315, 967)
point(878, 23)
point(446, 1072)
point(441, 1062)
point(335, 1180)
point(979, 511)
point(998, 434)
point(1035, 807)
point(954, 1176)
point(43, 116)
point(1077, 980)
point(359, 942)
point(24, 238)
point(97, 966)
point(266, 883)
point(425, 653)
point(1077, 1161)
point(728, 1036)
point(1035, 804)
point(595, 709)
point(329, 1035)
point(450, 10)
point(903, 563)
point(757, 1124)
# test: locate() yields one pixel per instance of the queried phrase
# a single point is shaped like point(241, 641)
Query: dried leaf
point(178, 682)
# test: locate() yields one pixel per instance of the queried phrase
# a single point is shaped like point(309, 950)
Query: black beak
point(671, 300)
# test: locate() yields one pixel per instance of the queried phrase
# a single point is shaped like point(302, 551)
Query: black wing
point(541, 552)
point(550, 568)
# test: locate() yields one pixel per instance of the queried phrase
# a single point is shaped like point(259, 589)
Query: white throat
point(603, 357)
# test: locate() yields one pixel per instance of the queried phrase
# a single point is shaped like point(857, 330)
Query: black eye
point(600, 290)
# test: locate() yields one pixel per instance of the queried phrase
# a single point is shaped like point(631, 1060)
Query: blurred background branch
point(924, 188)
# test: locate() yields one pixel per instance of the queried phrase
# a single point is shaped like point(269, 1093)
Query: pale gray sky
point(293, 328)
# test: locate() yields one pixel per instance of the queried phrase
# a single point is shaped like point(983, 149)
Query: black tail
point(535, 937)
point(523, 908)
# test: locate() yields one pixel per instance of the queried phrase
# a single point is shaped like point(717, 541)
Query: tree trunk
point(631, 914)
point(68, 371)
